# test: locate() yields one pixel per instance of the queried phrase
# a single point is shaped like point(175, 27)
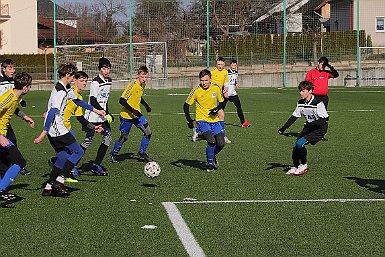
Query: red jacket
point(320, 80)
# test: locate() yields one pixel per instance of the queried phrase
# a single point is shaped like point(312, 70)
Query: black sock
point(101, 153)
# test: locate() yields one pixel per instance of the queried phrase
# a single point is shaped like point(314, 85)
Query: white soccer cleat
point(227, 140)
point(302, 168)
point(291, 171)
point(195, 135)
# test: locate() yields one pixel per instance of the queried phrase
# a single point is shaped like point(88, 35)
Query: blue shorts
point(126, 124)
point(214, 127)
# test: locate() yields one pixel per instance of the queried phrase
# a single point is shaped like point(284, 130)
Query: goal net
point(86, 58)
point(372, 72)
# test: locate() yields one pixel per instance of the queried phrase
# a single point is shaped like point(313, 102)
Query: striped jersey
point(6, 84)
point(60, 94)
point(8, 104)
point(133, 95)
point(312, 110)
point(72, 109)
point(233, 77)
point(100, 89)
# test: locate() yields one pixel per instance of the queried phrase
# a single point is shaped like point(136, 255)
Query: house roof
point(45, 9)
point(291, 6)
point(45, 31)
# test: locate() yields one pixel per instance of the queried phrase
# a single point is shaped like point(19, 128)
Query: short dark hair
point(22, 79)
point(323, 59)
point(81, 74)
point(234, 61)
point(204, 72)
point(104, 62)
point(66, 68)
point(143, 69)
point(305, 85)
point(220, 58)
point(7, 62)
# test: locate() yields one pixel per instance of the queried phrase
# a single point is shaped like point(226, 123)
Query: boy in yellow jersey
point(72, 109)
point(131, 100)
point(8, 103)
point(208, 100)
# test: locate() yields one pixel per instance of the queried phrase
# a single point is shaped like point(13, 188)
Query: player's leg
point(300, 156)
point(237, 102)
point(145, 128)
point(90, 133)
point(221, 116)
point(208, 135)
point(102, 150)
point(12, 137)
point(125, 128)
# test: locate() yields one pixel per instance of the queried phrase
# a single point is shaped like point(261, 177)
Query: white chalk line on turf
point(188, 240)
point(285, 201)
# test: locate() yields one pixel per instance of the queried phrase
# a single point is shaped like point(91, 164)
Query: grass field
point(249, 207)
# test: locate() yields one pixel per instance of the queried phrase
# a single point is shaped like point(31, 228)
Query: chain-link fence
point(264, 36)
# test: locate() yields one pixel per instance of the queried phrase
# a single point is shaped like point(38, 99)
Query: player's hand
point(109, 119)
point(281, 131)
point(226, 95)
point(3, 141)
point(100, 112)
point(237, 85)
point(99, 129)
point(214, 111)
point(148, 108)
point(30, 121)
point(40, 138)
point(136, 113)
point(23, 103)
point(190, 124)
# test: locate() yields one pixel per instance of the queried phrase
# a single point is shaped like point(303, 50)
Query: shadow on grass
point(374, 185)
point(276, 165)
point(290, 134)
point(190, 163)
point(150, 185)
point(5, 204)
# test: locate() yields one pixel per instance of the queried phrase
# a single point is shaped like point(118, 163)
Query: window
point(380, 24)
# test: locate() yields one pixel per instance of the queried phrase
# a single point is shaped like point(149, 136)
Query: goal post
point(86, 57)
point(372, 68)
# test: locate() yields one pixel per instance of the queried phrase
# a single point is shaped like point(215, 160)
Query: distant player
point(131, 99)
point(99, 93)
point(68, 151)
point(313, 109)
point(6, 83)
point(231, 93)
point(11, 156)
point(208, 101)
point(320, 76)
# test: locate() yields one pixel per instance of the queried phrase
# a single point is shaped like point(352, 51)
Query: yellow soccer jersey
point(72, 109)
point(133, 95)
point(219, 78)
point(8, 104)
point(205, 100)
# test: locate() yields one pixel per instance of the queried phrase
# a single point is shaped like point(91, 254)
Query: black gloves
point(148, 108)
point(214, 111)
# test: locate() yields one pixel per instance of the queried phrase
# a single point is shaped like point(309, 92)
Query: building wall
point(368, 12)
point(340, 15)
point(19, 33)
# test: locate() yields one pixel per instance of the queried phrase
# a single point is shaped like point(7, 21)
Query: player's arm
point(50, 116)
point(145, 104)
point(4, 121)
point(332, 71)
point(88, 124)
point(288, 123)
point(85, 105)
point(24, 117)
point(124, 103)
point(215, 110)
point(186, 110)
point(94, 87)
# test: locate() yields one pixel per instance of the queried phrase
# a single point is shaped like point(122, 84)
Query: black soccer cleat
point(145, 157)
point(24, 171)
point(59, 190)
point(114, 158)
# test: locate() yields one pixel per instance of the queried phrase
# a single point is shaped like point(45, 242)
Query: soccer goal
point(86, 57)
point(372, 70)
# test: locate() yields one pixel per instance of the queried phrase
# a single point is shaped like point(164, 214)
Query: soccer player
point(9, 151)
point(72, 109)
point(231, 93)
point(6, 83)
point(208, 100)
point(99, 94)
point(68, 151)
point(131, 99)
point(320, 76)
point(313, 109)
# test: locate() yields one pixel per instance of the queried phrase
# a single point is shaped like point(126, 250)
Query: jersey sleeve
point(191, 97)
point(57, 99)
point(94, 87)
point(297, 112)
point(71, 94)
point(127, 92)
point(219, 95)
point(5, 119)
point(321, 110)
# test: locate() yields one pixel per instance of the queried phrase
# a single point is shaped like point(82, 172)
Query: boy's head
point(233, 64)
point(8, 68)
point(142, 74)
point(66, 69)
point(305, 89)
point(322, 63)
point(220, 63)
point(205, 78)
point(104, 67)
point(23, 82)
point(81, 79)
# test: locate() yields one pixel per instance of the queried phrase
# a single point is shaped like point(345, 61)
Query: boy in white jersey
point(316, 126)
point(68, 151)
point(230, 93)
point(99, 94)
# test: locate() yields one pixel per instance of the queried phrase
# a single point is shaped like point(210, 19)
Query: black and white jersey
point(6, 84)
point(100, 89)
point(58, 100)
point(312, 110)
point(233, 78)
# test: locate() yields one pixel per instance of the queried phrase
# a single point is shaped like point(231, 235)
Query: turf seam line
point(185, 235)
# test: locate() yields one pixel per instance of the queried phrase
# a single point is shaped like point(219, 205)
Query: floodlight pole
point(54, 43)
point(131, 50)
point(207, 34)
point(284, 43)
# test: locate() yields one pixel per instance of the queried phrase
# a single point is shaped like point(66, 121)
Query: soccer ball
point(151, 169)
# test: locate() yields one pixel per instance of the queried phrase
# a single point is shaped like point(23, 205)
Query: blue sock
point(9, 176)
point(210, 154)
point(117, 146)
point(144, 144)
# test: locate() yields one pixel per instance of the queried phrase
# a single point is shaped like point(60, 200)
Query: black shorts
point(60, 142)
point(316, 135)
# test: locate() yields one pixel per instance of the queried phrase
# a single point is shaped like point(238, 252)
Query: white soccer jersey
point(100, 89)
point(58, 99)
point(5, 85)
point(233, 77)
point(312, 110)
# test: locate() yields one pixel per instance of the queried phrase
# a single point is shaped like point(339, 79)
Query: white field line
point(285, 201)
point(186, 237)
